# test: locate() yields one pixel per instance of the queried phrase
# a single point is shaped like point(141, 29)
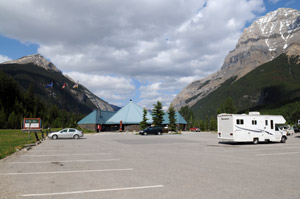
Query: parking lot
point(129, 166)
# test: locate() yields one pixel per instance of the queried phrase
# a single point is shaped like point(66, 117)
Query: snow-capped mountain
point(265, 39)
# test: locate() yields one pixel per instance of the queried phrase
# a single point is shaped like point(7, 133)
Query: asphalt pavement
point(129, 166)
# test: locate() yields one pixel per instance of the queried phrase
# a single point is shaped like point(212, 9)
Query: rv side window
point(239, 121)
point(254, 122)
point(266, 122)
point(272, 125)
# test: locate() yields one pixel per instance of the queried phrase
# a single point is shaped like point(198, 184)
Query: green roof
point(96, 117)
point(179, 119)
point(129, 114)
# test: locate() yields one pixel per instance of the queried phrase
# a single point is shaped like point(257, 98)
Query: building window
point(254, 122)
point(272, 125)
point(239, 121)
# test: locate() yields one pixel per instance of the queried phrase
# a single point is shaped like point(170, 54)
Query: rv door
point(268, 128)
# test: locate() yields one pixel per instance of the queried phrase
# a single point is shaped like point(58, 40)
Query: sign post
point(121, 126)
point(32, 125)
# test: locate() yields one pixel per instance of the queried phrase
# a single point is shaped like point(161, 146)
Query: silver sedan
point(66, 133)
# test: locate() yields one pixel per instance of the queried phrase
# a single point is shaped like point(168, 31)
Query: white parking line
point(269, 154)
point(43, 162)
point(260, 149)
point(93, 191)
point(68, 154)
point(62, 172)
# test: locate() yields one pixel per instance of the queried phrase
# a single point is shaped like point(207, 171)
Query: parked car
point(288, 129)
point(66, 133)
point(296, 129)
point(156, 130)
point(194, 129)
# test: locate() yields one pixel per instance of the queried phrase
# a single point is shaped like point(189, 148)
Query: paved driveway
point(192, 165)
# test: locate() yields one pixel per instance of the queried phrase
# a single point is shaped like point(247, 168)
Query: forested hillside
point(272, 88)
point(17, 103)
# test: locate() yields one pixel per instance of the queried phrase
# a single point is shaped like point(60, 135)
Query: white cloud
point(106, 87)
point(162, 44)
point(4, 58)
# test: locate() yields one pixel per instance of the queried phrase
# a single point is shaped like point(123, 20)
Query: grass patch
point(11, 140)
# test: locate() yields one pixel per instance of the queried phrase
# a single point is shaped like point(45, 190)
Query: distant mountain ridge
point(270, 86)
point(264, 40)
point(36, 59)
point(36, 70)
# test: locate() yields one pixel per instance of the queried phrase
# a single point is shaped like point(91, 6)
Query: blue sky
point(136, 50)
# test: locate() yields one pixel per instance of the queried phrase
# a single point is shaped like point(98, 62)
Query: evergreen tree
point(188, 115)
point(143, 123)
point(227, 107)
point(206, 124)
point(213, 124)
point(157, 114)
point(12, 121)
point(3, 120)
point(172, 118)
point(201, 125)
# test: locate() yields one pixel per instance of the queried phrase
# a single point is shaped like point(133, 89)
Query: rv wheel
point(283, 139)
point(255, 141)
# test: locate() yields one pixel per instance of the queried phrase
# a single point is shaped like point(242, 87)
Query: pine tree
point(157, 114)
point(213, 123)
point(227, 107)
point(2, 119)
point(12, 120)
point(206, 123)
point(188, 115)
point(172, 118)
point(143, 123)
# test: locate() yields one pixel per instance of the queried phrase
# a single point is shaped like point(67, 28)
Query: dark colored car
point(296, 129)
point(156, 130)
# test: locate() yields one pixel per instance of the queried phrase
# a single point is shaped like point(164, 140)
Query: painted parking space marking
point(44, 162)
point(63, 172)
point(94, 191)
point(261, 149)
point(67, 154)
point(271, 154)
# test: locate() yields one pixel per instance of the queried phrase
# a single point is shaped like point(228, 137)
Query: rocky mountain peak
point(265, 39)
point(36, 59)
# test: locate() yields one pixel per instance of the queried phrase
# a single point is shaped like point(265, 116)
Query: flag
point(49, 85)
point(64, 86)
point(75, 85)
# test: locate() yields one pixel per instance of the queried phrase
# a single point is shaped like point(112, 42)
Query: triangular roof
point(178, 117)
point(129, 114)
point(97, 117)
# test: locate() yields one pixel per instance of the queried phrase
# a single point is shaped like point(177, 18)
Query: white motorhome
point(251, 128)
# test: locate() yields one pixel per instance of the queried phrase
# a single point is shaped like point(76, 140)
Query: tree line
point(16, 104)
point(290, 111)
point(158, 115)
point(209, 123)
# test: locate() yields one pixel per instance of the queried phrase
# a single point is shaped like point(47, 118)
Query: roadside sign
point(32, 123)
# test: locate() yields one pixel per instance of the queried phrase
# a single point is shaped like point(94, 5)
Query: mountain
point(37, 60)
point(264, 40)
point(36, 70)
point(270, 85)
